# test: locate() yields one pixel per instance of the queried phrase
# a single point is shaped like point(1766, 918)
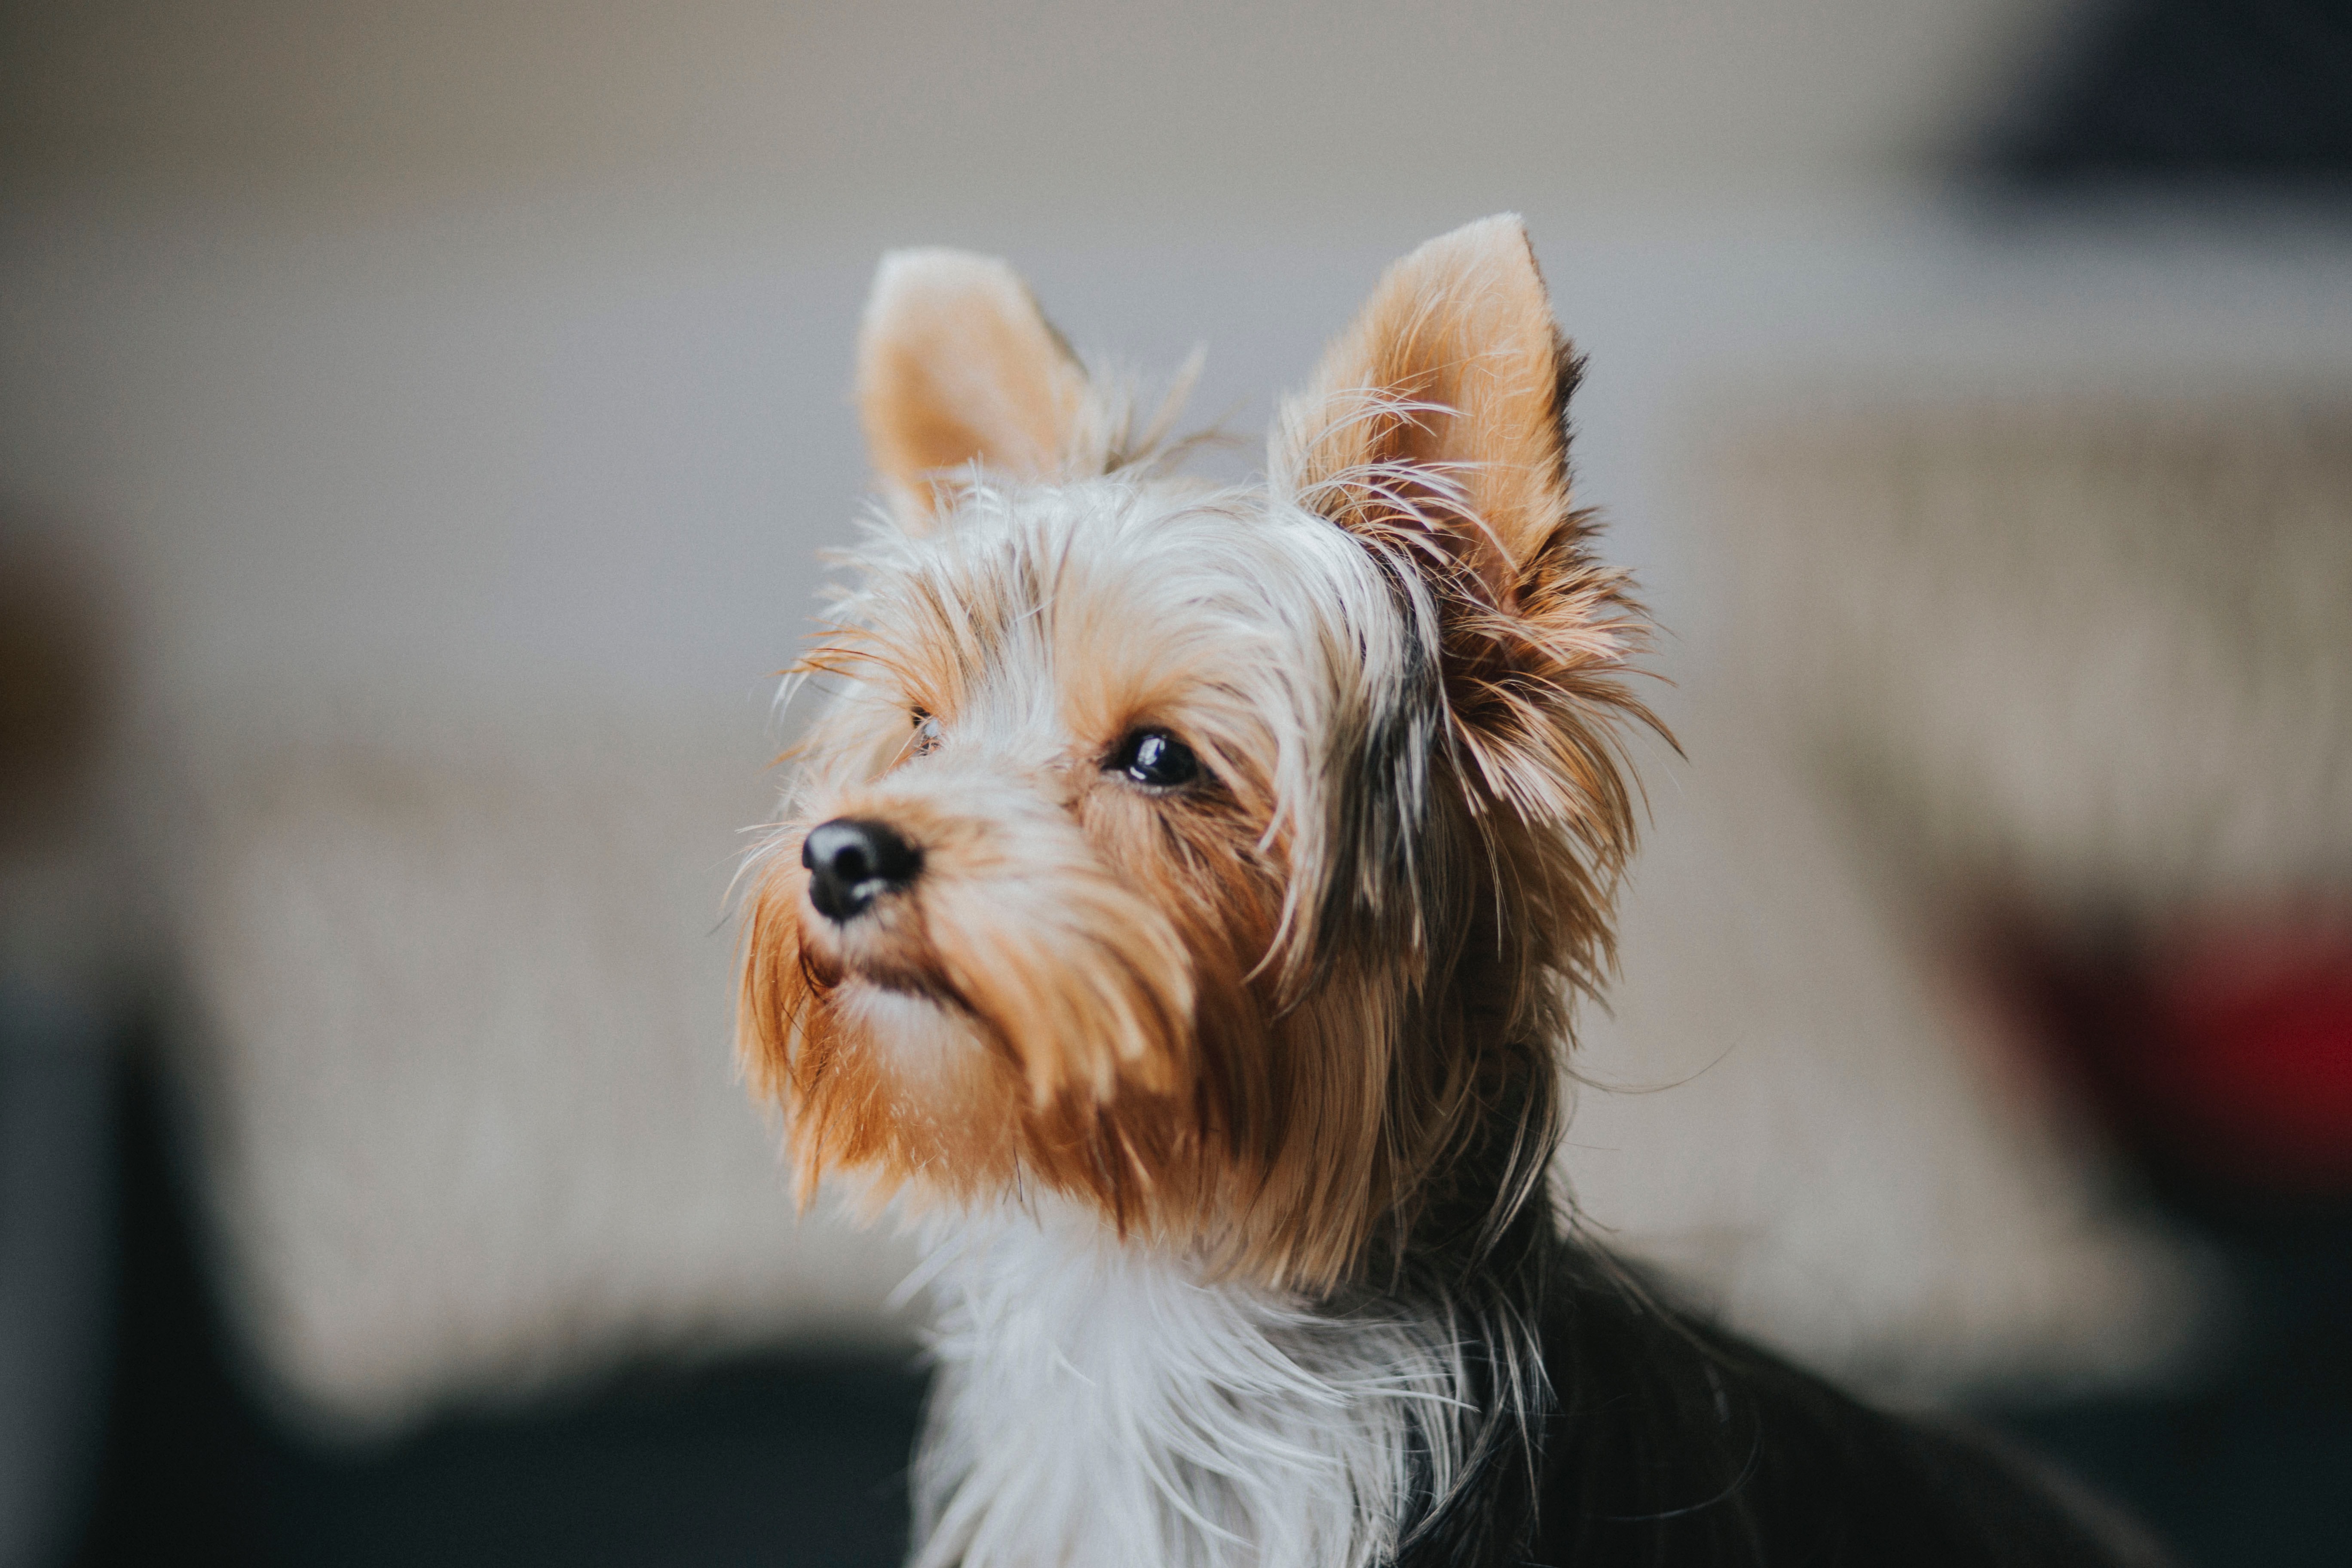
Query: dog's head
point(1225, 859)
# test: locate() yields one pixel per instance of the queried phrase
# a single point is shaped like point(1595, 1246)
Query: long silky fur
point(1099, 1403)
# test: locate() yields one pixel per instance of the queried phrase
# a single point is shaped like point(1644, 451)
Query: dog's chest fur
point(1098, 1402)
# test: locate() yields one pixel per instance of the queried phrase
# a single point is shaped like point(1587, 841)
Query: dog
point(1181, 908)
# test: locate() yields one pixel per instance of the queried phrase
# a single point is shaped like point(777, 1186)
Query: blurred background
point(418, 426)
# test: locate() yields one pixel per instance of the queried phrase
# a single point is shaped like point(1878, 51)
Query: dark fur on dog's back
point(1671, 1444)
point(1618, 1429)
point(1621, 1431)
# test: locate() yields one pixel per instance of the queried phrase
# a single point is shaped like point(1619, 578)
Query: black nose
point(853, 863)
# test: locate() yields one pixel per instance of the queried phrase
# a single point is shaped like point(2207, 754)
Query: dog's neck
point(1101, 1400)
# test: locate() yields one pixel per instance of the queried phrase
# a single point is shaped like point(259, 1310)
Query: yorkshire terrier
point(1182, 904)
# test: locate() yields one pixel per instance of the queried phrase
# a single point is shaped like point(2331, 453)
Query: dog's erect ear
point(1435, 432)
point(1440, 411)
point(955, 362)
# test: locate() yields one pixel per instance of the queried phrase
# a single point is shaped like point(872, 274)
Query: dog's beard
point(1024, 1011)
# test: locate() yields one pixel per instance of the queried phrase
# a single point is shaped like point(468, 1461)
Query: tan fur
point(956, 364)
point(1450, 380)
point(1472, 495)
point(1225, 1016)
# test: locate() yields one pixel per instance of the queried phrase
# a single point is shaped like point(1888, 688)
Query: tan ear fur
point(1441, 406)
point(955, 362)
point(1435, 430)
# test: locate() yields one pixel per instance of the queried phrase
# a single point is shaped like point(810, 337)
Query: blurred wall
point(1218, 113)
point(447, 345)
point(503, 346)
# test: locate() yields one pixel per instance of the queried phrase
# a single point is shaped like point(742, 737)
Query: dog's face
point(1219, 858)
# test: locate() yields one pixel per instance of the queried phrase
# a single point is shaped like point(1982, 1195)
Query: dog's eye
point(926, 734)
point(1155, 757)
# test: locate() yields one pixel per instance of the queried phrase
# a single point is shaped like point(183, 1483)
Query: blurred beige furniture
point(468, 1108)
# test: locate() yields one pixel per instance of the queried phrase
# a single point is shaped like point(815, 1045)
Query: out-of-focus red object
point(2224, 1046)
point(2255, 1049)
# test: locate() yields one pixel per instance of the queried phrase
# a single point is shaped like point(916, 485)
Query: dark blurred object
point(2217, 1050)
point(54, 1076)
point(52, 684)
point(2166, 91)
point(56, 1010)
point(791, 1460)
point(2251, 1469)
point(2221, 1050)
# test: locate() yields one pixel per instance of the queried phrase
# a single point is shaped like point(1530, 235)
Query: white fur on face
point(1101, 1402)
